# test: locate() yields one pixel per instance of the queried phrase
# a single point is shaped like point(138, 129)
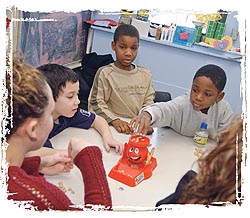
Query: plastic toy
point(136, 163)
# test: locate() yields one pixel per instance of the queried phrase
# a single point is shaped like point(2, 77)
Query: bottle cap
point(203, 125)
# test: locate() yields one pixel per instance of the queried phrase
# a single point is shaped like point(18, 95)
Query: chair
point(162, 96)
point(90, 64)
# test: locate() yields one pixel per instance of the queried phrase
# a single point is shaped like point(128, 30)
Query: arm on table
point(102, 127)
point(89, 160)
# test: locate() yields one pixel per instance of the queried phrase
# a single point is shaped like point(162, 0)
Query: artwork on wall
point(57, 37)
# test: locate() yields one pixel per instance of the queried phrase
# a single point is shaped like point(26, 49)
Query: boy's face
point(126, 48)
point(67, 101)
point(204, 94)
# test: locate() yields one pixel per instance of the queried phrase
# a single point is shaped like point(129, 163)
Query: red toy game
point(136, 163)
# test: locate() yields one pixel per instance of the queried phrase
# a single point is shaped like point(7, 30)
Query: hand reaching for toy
point(110, 142)
point(141, 123)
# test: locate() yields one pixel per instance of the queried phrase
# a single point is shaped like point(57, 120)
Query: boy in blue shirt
point(64, 83)
point(184, 114)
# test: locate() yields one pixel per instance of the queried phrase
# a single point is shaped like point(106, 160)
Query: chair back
point(162, 96)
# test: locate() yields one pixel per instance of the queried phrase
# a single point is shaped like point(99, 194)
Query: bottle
point(201, 136)
point(173, 32)
point(170, 31)
point(162, 33)
point(166, 33)
point(158, 33)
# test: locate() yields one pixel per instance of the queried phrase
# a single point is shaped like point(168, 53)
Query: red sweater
point(29, 185)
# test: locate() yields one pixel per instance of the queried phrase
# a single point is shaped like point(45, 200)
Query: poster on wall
point(57, 37)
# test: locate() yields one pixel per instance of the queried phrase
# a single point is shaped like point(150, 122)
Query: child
point(184, 114)
point(121, 89)
point(216, 179)
point(28, 130)
point(65, 86)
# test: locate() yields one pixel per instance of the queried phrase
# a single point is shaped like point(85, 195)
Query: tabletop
point(175, 155)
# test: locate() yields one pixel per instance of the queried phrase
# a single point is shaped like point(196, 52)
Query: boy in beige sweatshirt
point(121, 89)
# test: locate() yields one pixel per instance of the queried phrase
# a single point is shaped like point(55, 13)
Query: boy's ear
point(31, 128)
point(113, 45)
point(220, 96)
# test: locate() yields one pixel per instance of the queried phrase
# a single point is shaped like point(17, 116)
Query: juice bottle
point(201, 136)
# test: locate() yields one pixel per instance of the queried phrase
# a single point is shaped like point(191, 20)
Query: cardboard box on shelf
point(198, 33)
point(184, 31)
point(124, 19)
point(142, 14)
point(126, 16)
point(219, 31)
point(211, 29)
point(142, 26)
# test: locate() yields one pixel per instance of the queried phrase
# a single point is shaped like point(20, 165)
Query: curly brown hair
point(216, 179)
point(27, 96)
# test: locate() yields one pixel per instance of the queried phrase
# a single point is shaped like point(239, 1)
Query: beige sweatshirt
point(119, 93)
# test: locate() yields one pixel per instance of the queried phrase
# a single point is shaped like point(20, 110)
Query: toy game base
point(131, 174)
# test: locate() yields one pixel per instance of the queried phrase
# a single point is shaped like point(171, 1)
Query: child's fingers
point(134, 124)
point(128, 128)
point(120, 147)
point(107, 147)
point(70, 150)
point(132, 121)
point(117, 146)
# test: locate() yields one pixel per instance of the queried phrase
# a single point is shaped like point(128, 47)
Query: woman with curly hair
point(216, 182)
point(31, 104)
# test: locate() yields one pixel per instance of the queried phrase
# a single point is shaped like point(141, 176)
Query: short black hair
point(215, 73)
point(126, 30)
point(56, 76)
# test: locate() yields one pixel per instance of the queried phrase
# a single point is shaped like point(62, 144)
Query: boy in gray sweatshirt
point(184, 114)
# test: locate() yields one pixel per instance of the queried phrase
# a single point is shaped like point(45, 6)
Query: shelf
point(207, 50)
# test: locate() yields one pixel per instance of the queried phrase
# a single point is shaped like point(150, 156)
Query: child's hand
point(141, 123)
point(122, 126)
point(56, 163)
point(112, 143)
point(75, 146)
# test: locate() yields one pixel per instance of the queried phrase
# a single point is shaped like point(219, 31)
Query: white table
point(175, 155)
